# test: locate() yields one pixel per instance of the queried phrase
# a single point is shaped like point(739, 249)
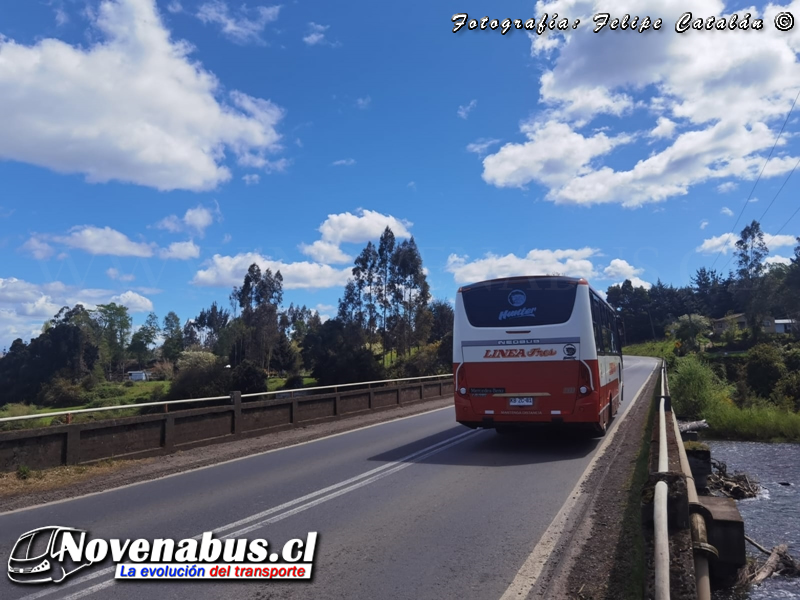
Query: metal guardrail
point(660, 500)
point(166, 403)
point(702, 549)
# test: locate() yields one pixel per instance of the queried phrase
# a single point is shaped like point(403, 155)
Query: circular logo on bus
point(517, 298)
point(569, 350)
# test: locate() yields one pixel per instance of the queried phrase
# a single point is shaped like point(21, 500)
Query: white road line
point(532, 568)
point(225, 462)
point(325, 494)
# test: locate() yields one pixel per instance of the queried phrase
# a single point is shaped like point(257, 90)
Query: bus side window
point(606, 330)
point(612, 331)
point(597, 323)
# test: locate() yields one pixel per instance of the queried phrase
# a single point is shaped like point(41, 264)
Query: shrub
point(200, 375)
point(248, 378)
point(128, 383)
point(792, 359)
point(23, 472)
point(694, 388)
point(764, 369)
point(294, 382)
point(60, 392)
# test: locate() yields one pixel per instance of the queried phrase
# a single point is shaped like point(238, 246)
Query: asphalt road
point(417, 508)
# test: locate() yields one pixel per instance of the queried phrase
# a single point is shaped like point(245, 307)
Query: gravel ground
point(69, 482)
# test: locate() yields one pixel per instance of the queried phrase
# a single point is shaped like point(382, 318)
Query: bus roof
point(575, 280)
point(478, 284)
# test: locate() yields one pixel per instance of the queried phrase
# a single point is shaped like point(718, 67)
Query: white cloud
point(175, 7)
point(38, 248)
point(226, 238)
point(241, 29)
point(116, 275)
point(778, 260)
point(721, 243)
point(570, 262)
point(325, 311)
point(714, 123)
point(728, 186)
point(180, 251)
point(481, 146)
point(363, 103)
point(362, 227)
point(136, 303)
point(226, 271)
point(355, 229)
point(25, 306)
point(132, 106)
point(664, 129)
point(251, 179)
point(62, 18)
point(622, 270)
point(703, 224)
point(727, 242)
point(554, 155)
point(726, 211)
point(779, 241)
point(412, 185)
point(345, 162)
point(104, 241)
point(196, 219)
point(316, 35)
point(463, 111)
point(327, 253)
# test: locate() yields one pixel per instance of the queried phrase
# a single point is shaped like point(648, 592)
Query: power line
point(761, 219)
point(785, 181)
point(759, 176)
point(787, 220)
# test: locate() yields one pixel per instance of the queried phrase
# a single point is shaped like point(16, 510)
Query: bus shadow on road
point(486, 448)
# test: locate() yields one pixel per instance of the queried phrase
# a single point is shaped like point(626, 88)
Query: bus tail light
point(585, 379)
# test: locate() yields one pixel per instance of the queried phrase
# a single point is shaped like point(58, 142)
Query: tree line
point(387, 325)
point(755, 288)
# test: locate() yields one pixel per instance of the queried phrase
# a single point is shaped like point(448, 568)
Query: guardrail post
point(371, 397)
point(236, 400)
point(336, 405)
point(73, 450)
point(168, 440)
point(293, 415)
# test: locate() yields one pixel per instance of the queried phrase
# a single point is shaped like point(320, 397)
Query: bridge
point(418, 507)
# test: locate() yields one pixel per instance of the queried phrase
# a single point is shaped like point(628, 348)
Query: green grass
point(275, 384)
point(658, 349)
point(755, 424)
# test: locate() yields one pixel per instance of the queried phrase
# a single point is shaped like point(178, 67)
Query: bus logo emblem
point(569, 350)
point(517, 298)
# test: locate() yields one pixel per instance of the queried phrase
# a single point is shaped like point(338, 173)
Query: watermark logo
point(39, 556)
point(50, 554)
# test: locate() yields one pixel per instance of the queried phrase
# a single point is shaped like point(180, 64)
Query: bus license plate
point(520, 401)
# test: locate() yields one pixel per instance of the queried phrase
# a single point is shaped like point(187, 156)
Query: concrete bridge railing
point(227, 418)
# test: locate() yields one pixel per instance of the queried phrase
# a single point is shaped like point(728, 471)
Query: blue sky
point(151, 150)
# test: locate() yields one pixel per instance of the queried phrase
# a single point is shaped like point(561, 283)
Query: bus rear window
point(520, 303)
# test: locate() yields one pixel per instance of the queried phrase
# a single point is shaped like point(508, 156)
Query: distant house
point(784, 325)
point(138, 375)
point(739, 322)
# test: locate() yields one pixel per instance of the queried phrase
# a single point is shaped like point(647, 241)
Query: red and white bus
point(541, 349)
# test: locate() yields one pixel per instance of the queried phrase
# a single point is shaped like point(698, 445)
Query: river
point(774, 516)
